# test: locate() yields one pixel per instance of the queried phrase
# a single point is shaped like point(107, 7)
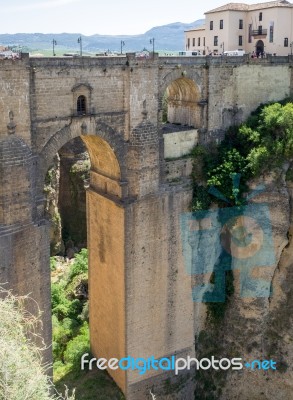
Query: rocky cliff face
point(74, 177)
point(66, 200)
point(51, 191)
point(257, 327)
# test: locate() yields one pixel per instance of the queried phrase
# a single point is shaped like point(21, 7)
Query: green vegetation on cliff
point(70, 315)
point(262, 143)
point(71, 332)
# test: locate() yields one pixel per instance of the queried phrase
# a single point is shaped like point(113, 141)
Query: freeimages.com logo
point(231, 238)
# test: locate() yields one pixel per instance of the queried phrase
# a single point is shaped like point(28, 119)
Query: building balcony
point(259, 32)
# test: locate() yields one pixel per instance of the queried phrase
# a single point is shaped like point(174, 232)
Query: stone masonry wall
point(234, 92)
point(158, 306)
point(151, 308)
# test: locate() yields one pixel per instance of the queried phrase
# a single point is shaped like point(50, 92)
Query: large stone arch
point(102, 143)
point(178, 73)
point(182, 99)
point(183, 93)
point(180, 103)
point(105, 231)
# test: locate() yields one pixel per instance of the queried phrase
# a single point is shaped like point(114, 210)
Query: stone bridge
point(140, 293)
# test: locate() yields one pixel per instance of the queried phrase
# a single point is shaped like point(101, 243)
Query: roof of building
point(198, 28)
point(251, 7)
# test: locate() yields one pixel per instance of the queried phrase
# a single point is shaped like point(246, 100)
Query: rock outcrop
point(260, 327)
point(51, 190)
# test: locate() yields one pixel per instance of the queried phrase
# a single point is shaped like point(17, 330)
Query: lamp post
point(152, 41)
point(122, 44)
point(79, 40)
point(223, 46)
point(54, 44)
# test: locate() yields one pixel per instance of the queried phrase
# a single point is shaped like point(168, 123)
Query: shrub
point(53, 263)
point(264, 142)
point(22, 375)
point(77, 347)
point(70, 329)
point(61, 305)
point(80, 264)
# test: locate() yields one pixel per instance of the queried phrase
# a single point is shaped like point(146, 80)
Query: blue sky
point(112, 17)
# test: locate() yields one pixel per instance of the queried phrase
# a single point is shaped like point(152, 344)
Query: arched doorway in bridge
point(259, 47)
point(181, 103)
point(181, 118)
point(105, 227)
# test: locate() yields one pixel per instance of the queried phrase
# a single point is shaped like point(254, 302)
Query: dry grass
point(22, 375)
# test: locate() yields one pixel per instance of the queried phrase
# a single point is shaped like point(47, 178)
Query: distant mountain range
point(167, 37)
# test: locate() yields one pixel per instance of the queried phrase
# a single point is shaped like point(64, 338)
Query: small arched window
point(81, 105)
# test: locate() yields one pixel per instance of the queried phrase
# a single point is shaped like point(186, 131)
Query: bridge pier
point(140, 302)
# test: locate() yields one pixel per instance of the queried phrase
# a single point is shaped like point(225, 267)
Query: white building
point(263, 27)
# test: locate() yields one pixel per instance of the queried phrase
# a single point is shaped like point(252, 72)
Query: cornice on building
point(250, 7)
point(199, 28)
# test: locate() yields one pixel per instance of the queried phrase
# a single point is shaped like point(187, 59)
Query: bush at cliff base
point(22, 374)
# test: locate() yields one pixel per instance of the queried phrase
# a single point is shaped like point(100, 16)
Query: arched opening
point(74, 180)
point(181, 118)
point(259, 48)
point(181, 103)
point(65, 185)
point(81, 106)
point(105, 226)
